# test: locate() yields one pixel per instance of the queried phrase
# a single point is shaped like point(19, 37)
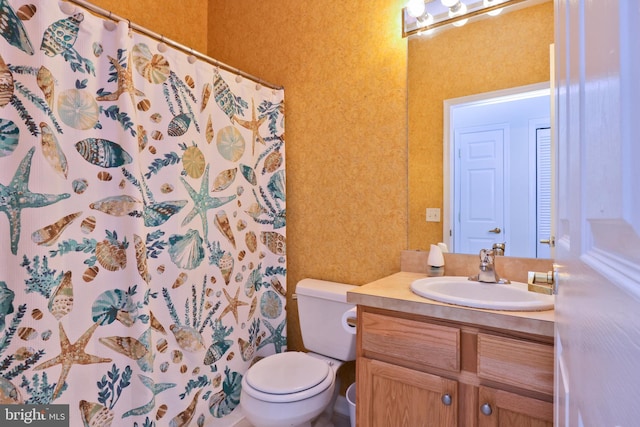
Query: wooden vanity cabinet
point(415, 371)
point(398, 396)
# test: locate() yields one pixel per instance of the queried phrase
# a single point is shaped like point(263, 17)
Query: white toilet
point(293, 388)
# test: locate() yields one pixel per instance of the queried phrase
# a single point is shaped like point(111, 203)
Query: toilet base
point(269, 414)
point(323, 420)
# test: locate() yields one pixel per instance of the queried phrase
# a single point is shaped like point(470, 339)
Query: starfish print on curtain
point(253, 125)
point(16, 196)
point(234, 303)
point(276, 338)
point(125, 83)
point(203, 202)
point(72, 354)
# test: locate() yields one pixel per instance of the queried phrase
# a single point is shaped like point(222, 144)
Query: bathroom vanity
point(425, 363)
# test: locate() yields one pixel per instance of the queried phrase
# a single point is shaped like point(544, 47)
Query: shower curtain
point(142, 235)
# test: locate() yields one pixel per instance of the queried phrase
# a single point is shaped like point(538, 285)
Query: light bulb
point(415, 8)
point(425, 19)
point(459, 9)
point(449, 3)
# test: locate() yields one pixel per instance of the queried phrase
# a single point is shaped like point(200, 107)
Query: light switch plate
point(433, 214)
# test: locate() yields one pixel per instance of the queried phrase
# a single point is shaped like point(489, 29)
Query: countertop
point(394, 293)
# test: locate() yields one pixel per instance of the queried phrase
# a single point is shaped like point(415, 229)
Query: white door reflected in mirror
point(497, 171)
point(479, 186)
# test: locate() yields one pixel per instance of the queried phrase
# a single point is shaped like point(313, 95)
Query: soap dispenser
point(435, 262)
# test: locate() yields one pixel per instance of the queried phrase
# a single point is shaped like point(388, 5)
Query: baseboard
point(341, 406)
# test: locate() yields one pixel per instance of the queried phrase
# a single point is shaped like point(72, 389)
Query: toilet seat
point(288, 377)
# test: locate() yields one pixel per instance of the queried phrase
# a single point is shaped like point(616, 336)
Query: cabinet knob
point(486, 409)
point(446, 399)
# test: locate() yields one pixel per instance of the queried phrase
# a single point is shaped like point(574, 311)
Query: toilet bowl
point(292, 389)
point(288, 389)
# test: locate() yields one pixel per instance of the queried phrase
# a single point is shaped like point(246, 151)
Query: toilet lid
point(286, 373)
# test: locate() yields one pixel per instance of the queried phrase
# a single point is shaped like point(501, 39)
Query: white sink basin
point(461, 291)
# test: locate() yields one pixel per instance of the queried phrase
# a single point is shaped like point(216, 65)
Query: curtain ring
point(66, 7)
point(162, 47)
point(191, 58)
point(109, 24)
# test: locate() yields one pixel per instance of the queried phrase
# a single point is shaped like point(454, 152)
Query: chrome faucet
point(488, 273)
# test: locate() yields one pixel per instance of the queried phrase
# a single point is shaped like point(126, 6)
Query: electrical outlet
point(433, 214)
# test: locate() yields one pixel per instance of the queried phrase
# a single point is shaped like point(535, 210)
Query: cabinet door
point(498, 408)
point(394, 396)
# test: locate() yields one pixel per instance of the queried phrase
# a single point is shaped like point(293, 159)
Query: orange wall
point(184, 22)
point(343, 66)
point(505, 51)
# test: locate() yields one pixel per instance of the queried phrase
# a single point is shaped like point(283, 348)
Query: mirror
point(497, 171)
point(507, 51)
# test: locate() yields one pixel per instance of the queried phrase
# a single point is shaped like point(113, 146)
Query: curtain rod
point(111, 16)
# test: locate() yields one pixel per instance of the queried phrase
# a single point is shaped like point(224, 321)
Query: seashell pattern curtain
point(142, 225)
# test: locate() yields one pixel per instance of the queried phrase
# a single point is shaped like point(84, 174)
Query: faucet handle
point(486, 256)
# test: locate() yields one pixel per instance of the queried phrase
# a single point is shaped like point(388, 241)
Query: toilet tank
point(321, 305)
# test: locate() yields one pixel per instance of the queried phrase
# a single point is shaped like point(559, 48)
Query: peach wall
point(343, 66)
point(184, 22)
point(505, 51)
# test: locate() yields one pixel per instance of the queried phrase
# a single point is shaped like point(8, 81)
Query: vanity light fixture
point(426, 15)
